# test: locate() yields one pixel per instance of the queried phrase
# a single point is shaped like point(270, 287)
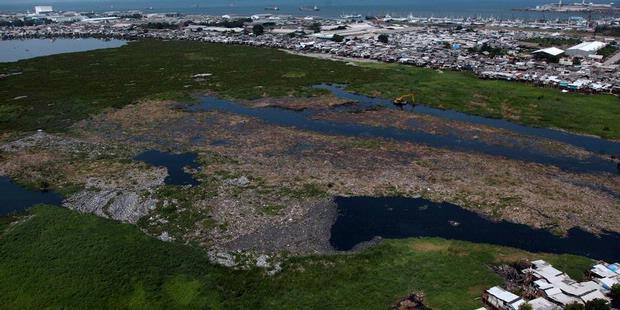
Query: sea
point(501, 9)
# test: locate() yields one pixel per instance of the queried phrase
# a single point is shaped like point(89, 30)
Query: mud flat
point(308, 234)
point(262, 177)
point(288, 156)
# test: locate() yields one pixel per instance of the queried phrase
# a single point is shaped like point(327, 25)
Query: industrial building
point(585, 49)
point(42, 9)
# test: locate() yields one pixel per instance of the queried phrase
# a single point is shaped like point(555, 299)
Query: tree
point(574, 306)
point(383, 38)
point(525, 306)
point(258, 29)
point(337, 38)
point(615, 296)
point(597, 304)
point(316, 27)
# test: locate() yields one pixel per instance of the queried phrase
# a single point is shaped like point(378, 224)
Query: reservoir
point(360, 219)
point(14, 198)
point(15, 50)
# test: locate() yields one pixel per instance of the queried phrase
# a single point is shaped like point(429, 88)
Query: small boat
point(306, 8)
point(272, 8)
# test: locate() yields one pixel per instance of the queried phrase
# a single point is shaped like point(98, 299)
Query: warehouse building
point(42, 9)
point(585, 49)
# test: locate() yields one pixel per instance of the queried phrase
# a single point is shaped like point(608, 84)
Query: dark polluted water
point(175, 163)
point(14, 198)
point(305, 120)
point(592, 144)
point(361, 219)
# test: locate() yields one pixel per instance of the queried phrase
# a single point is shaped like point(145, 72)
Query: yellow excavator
point(405, 99)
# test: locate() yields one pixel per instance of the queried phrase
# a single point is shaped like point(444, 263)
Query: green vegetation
point(548, 42)
point(177, 212)
point(258, 30)
point(315, 27)
point(63, 89)
point(608, 30)
point(383, 38)
point(608, 50)
point(615, 296)
point(306, 190)
point(160, 25)
point(596, 304)
point(518, 102)
point(62, 259)
point(337, 38)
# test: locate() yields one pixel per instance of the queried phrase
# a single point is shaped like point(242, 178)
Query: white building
point(541, 303)
point(41, 9)
point(560, 288)
point(607, 275)
point(551, 51)
point(500, 298)
point(585, 49)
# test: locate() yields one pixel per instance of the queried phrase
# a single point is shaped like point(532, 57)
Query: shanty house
point(500, 299)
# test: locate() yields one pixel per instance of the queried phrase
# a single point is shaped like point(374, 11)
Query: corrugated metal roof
point(592, 296)
point(553, 51)
point(542, 304)
point(588, 46)
point(602, 271)
point(503, 294)
point(543, 285)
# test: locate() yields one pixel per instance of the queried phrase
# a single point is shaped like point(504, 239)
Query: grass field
point(521, 103)
point(62, 89)
point(62, 259)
